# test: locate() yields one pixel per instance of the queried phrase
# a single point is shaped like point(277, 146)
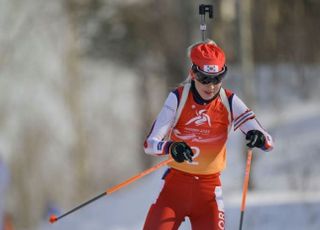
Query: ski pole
point(54, 218)
point(203, 9)
point(245, 186)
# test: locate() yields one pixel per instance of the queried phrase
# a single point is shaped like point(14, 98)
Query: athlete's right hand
point(181, 152)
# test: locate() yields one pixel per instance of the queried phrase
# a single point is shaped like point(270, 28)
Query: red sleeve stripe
point(243, 117)
point(252, 116)
point(242, 114)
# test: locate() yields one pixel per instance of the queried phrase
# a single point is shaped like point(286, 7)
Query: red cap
point(208, 57)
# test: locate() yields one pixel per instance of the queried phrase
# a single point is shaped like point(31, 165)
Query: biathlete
point(192, 128)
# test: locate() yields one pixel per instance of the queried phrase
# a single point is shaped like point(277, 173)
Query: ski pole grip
point(203, 9)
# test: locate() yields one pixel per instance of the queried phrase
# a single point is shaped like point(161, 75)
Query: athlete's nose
point(212, 86)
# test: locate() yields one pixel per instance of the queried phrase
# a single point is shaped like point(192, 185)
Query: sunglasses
point(207, 78)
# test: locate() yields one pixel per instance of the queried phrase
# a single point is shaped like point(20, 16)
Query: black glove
point(255, 138)
point(180, 152)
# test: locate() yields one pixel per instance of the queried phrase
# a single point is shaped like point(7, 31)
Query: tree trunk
point(73, 99)
point(246, 60)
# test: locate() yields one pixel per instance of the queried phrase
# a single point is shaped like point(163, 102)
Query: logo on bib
point(200, 119)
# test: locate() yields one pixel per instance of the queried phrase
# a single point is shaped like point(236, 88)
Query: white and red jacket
point(204, 126)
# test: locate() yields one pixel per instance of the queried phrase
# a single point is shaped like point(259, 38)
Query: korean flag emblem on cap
point(211, 68)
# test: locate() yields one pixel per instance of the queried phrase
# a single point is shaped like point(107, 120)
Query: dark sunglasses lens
point(203, 79)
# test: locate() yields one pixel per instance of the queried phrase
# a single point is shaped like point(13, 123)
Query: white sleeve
point(155, 143)
point(245, 119)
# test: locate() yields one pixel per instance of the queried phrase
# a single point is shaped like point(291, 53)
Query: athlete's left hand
point(255, 138)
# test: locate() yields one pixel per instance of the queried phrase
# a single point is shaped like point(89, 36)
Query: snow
point(127, 208)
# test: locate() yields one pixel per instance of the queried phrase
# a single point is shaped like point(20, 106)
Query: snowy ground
point(127, 209)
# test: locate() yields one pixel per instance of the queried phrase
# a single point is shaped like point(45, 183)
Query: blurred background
point(81, 82)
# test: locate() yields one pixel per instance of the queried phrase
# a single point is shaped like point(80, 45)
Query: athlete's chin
point(207, 95)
